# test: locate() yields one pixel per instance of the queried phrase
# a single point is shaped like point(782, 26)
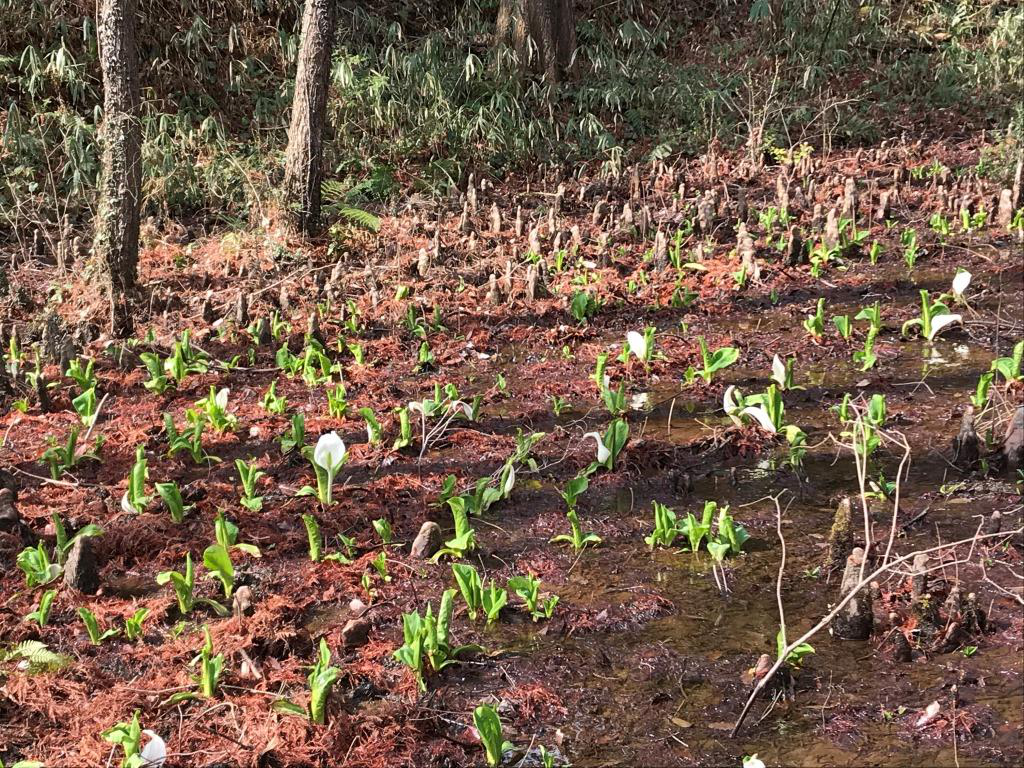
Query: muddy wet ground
point(642, 662)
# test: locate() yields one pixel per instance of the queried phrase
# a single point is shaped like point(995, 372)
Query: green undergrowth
point(421, 95)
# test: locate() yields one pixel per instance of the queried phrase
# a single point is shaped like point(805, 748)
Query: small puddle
point(321, 618)
point(130, 586)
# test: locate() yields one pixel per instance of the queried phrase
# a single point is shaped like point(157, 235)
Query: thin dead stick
point(860, 437)
point(10, 426)
point(956, 756)
point(1012, 572)
point(842, 604)
point(95, 417)
point(47, 480)
point(1000, 588)
point(899, 483)
point(860, 460)
point(782, 566)
point(454, 409)
point(714, 572)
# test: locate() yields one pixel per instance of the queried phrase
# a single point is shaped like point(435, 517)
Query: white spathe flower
point(154, 754)
point(637, 344)
point(330, 452)
point(221, 399)
point(942, 321)
point(734, 406)
point(753, 761)
point(930, 713)
point(961, 280)
point(466, 408)
point(779, 371)
point(760, 415)
point(510, 481)
point(731, 400)
point(603, 454)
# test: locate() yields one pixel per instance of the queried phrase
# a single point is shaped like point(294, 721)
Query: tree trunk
point(542, 33)
point(116, 243)
point(303, 169)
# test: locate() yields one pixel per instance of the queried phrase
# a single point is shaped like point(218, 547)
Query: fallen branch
point(842, 603)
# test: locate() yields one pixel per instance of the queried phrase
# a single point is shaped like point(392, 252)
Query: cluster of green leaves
point(315, 539)
point(766, 409)
point(866, 356)
point(576, 537)
point(426, 640)
point(183, 584)
point(1011, 368)
point(294, 435)
point(215, 408)
point(86, 406)
point(730, 536)
point(528, 588)
point(321, 679)
point(795, 656)
point(135, 498)
point(41, 615)
point(464, 540)
point(609, 446)
point(210, 667)
point(217, 557)
point(62, 458)
point(272, 402)
point(129, 737)
point(712, 362)
point(92, 627)
point(190, 439)
point(489, 600)
point(488, 725)
point(171, 495)
point(583, 306)
point(183, 361)
point(815, 324)
point(249, 474)
point(863, 424)
point(313, 365)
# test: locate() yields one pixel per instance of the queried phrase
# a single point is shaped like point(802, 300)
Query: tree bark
point(303, 171)
point(116, 241)
point(542, 33)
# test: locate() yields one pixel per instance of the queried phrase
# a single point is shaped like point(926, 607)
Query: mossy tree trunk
point(303, 170)
point(116, 241)
point(542, 33)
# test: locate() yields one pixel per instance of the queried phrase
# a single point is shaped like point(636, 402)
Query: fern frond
point(334, 195)
point(37, 654)
point(362, 218)
point(332, 191)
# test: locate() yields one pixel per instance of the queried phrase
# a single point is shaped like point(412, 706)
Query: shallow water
point(666, 690)
point(670, 689)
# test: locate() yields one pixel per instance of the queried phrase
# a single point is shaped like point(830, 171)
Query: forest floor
point(643, 660)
